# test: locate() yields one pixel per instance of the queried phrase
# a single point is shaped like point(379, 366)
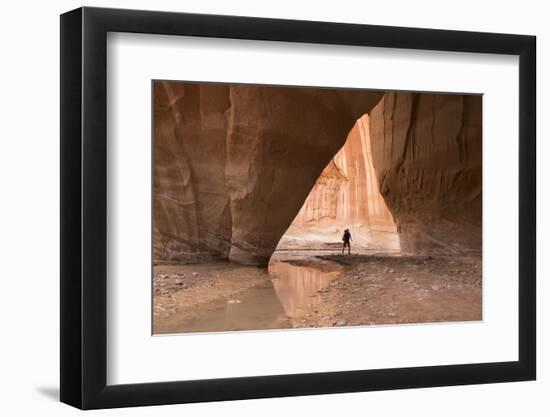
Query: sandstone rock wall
point(346, 194)
point(427, 152)
point(234, 164)
point(191, 205)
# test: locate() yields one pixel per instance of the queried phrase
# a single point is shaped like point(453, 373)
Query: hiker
point(346, 239)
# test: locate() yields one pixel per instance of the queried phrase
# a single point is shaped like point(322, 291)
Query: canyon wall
point(234, 164)
point(427, 153)
point(191, 205)
point(346, 195)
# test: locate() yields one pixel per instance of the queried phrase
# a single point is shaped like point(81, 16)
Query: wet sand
point(316, 289)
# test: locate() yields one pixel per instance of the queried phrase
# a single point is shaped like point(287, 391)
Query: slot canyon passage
point(254, 186)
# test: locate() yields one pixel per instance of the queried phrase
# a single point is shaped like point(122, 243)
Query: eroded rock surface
point(346, 195)
point(191, 204)
point(234, 164)
point(279, 141)
point(427, 152)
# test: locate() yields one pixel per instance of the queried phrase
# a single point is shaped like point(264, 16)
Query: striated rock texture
point(346, 195)
point(234, 164)
point(191, 204)
point(427, 152)
point(279, 140)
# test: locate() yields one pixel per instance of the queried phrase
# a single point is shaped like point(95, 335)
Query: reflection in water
point(297, 286)
point(287, 292)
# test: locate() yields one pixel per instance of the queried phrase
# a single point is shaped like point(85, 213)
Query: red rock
point(427, 152)
point(346, 195)
point(233, 165)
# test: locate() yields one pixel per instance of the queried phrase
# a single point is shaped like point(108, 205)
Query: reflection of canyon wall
point(427, 153)
point(346, 195)
point(297, 286)
point(233, 164)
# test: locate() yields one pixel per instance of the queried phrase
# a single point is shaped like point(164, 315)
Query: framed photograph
point(260, 208)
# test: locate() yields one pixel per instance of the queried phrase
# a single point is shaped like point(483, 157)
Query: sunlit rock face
point(234, 164)
point(346, 195)
point(427, 153)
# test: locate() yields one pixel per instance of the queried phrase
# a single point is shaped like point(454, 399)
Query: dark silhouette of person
point(346, 239)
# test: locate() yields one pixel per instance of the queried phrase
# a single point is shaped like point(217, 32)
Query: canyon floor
point(317, 288)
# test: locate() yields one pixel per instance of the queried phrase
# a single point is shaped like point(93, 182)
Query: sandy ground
point(317, 290)
point(375, 290)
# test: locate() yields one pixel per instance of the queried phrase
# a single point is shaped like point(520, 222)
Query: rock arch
point(233, 164)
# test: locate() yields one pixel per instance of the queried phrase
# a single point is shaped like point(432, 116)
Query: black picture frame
point(84, 207)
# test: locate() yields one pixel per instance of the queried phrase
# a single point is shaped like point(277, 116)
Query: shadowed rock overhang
point(234, 164)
